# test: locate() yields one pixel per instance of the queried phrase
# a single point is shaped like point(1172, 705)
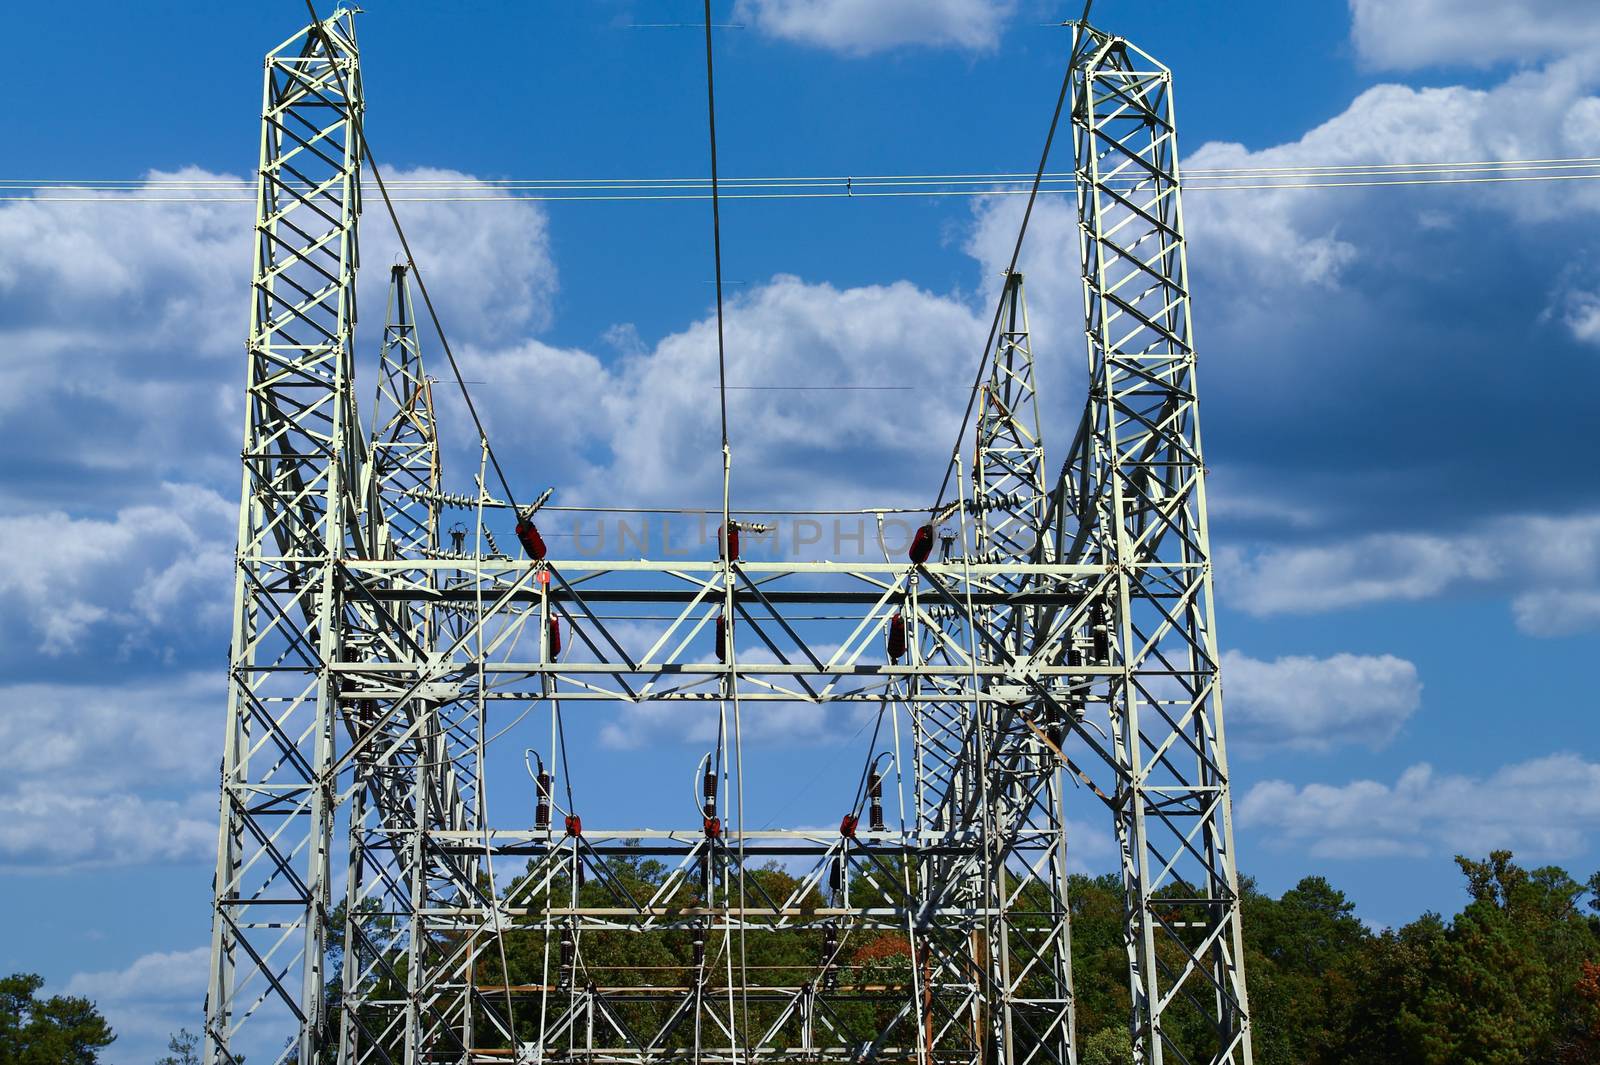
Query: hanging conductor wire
point(729, 551)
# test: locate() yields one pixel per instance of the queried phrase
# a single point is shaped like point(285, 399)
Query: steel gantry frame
point(1058, 642)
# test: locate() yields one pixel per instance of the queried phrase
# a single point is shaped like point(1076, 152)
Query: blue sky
point(1399, 390)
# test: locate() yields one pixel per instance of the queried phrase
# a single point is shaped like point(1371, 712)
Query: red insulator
point(555, 636)
point(541, 810)
point(724, 626)
point(728, 541)
point(574, 825)
point(847, 827)
point(528, 536)
point(713, 828)
point(897, 638)
point(922, 545)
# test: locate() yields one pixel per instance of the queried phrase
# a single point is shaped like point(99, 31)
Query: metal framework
point(1057, 647)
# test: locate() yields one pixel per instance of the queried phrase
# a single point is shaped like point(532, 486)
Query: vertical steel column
point(1138, 482)
point(993, 884)
point(272, 882)
point(1030, 956)
point(401, 758)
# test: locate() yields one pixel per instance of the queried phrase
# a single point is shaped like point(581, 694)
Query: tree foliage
point(60, 1030)
point(1512, 979)
point(182, 1049)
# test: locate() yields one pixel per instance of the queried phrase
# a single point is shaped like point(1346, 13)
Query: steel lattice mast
point(1057, 648)
point(301, 464)
point(1133, 499)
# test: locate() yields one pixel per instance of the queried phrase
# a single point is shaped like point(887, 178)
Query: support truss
point(1057, 648)
point(302, 459)
point(1133, 499)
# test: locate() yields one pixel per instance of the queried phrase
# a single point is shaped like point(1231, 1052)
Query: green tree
point(1391, 974)
point(1488, 1002)
point(1300, 952)
point(1099, 956)
point(60, 1030)
point(182, 1049)
point(1108, 1046)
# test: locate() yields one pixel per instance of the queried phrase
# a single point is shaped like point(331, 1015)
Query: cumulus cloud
point(488, 265)
point(147, 579)
point(167, 729)
point(1557, 611)
point(1300, 702)
point(1542, 808)
point(1373, 569)
point(45, 827)
point(641, 725)
point(161, 974)
point(1407, 34)
point(108, 775)
point(1579, 311)
point(863, 27)
point(123, 318)
point(1332, 324)
point(1549, 566)
point(150, 999)
point(1314, 238)
point(1091, 847)
point(650, 421)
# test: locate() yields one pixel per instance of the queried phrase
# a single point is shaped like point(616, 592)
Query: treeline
point(1512, 979)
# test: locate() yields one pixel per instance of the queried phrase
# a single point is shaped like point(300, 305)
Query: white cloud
point(1299, 702)
point(136, 273)
point(1371, 569)
point(1542, 808)
point(1406, 34)
point(106, 735)
point(151, 999)
point(1550, 566)
point(1580, 313)
point(652, 419)
point(158, 975)
point(1557, 611)
point(123, 321)
point(147, 577)
point(48, 827)
point(106, 775)
point(862, 27)
point(771, 723)
point(488, 266)
point(1296, 238)
point(1091, 847)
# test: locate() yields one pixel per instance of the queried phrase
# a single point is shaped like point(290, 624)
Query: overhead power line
point(874, 186)
point(1190, 172)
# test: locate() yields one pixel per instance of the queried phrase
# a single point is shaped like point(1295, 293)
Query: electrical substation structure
point(1044, 649)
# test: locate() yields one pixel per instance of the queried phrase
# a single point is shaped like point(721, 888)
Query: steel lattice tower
point(1056, 650)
